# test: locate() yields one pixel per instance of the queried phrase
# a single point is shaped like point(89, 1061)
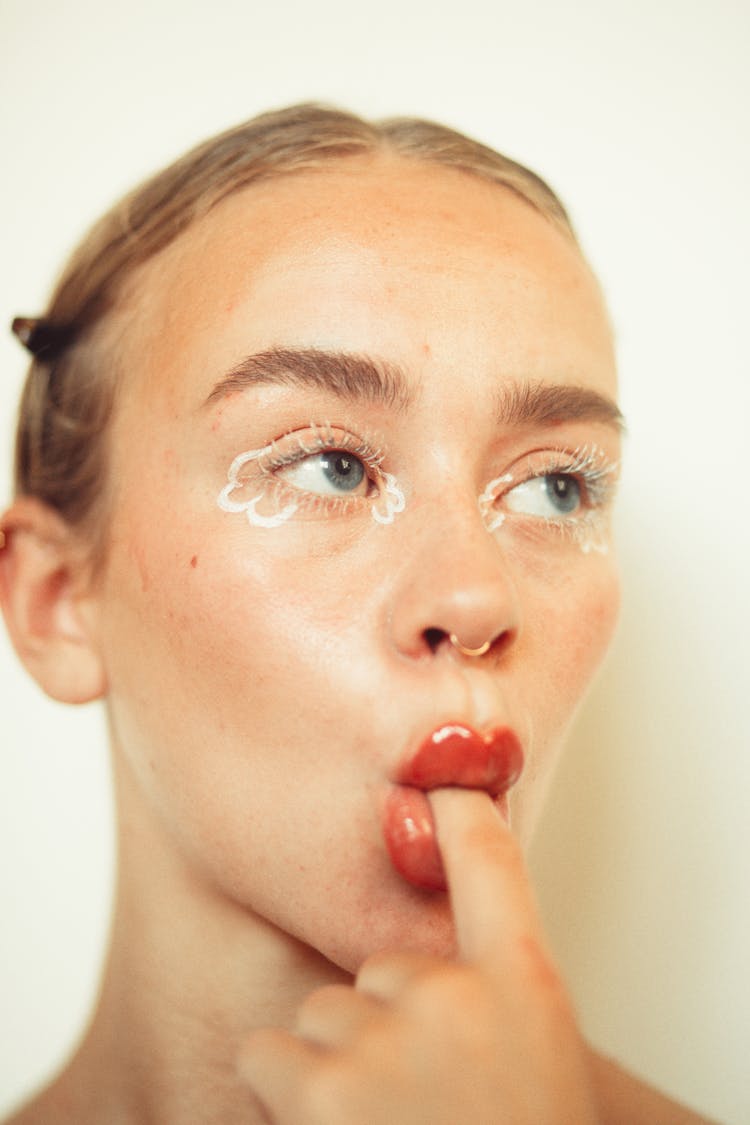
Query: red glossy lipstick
point(454, 754)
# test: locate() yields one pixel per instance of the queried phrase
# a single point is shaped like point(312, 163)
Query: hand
point(490, 1038)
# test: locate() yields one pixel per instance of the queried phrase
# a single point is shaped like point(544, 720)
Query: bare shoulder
point(626, 1100)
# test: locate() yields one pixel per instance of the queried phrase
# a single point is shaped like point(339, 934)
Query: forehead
point(380, 255)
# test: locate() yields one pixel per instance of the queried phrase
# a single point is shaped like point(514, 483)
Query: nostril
point(502, 642)
point(434, 638)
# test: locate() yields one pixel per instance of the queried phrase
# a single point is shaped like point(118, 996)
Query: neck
point(189, 973)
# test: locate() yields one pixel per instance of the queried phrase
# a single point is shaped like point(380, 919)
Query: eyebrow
point(361, 378)
point(548, 404)
point(350, 376)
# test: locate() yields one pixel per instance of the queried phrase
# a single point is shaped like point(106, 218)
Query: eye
point(333, 472)
point(548, 497)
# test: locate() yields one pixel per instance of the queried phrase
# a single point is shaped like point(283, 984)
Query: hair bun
point(43, 339)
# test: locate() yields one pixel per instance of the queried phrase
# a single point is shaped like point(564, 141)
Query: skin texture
point(264, 684)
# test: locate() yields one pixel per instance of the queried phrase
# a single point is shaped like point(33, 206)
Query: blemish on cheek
point(194, 561)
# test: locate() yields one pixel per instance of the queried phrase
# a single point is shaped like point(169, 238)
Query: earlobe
point(46, 597)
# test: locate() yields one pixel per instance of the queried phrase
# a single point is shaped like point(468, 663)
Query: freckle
point(194, 561)
point(426, 349)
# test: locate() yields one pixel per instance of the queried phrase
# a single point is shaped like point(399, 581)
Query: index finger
point(493, 904)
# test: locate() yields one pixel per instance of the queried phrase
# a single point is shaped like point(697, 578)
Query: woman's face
point(275, 639)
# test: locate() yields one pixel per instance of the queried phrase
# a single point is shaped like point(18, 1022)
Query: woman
point(315, 466)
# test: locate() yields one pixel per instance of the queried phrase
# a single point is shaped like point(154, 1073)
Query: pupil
point(564, 491)
point(344, 471)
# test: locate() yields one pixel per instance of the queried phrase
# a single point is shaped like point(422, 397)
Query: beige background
point(638, 115)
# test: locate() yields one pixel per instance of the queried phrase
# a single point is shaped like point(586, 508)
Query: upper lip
point(457, 754)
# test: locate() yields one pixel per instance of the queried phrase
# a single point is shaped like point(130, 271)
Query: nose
point(455, 590)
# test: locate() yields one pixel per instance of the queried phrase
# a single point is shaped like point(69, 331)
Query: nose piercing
point(469, 651)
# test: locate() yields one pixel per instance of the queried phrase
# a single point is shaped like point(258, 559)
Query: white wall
point(637, 113)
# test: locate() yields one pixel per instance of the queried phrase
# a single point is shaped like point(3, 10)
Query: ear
point(47, 599)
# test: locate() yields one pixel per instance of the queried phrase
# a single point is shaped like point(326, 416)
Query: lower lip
point(467, 761)
point(409, 830)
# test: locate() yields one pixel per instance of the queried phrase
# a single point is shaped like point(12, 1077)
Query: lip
point(456, 754)
point(453, 754)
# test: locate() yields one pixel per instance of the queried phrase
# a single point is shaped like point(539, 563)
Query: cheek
point(573, 604)
point(225, 661)
point(583, 623)
point(569, 634)
point(241, 690)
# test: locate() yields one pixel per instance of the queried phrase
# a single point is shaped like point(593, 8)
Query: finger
point(278, 1066)
point(331, 1016)
point(386, 975)
point(493, 905)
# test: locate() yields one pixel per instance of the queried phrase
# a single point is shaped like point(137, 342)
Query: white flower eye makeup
point(328, 471)
point(568, 492)
point(316, 470)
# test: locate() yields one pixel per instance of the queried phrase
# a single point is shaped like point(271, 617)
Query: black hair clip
point(45, 341)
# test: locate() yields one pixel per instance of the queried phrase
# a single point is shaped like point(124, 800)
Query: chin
point(417, 922)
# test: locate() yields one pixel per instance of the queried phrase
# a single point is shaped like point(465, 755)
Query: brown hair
point(69, 392)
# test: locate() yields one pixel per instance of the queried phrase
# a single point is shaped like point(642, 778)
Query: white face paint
point(395, 501)
point(298, 468)
point(257, 520)
point(232, 482)
point(493, 519)
point(565, 491)
point(249, 506)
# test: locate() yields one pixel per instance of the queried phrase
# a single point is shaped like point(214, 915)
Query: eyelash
point(587, 465)
point(594, 473)
point(294, 447)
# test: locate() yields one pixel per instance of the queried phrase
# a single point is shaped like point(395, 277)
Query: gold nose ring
point(469, 651)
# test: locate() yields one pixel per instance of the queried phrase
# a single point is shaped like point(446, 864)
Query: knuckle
point(319, 1001)
point(333, 1091)
point(376, 970)
point(541, 976)
point(375, 964)
point(383, 973)
point(447, 988)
